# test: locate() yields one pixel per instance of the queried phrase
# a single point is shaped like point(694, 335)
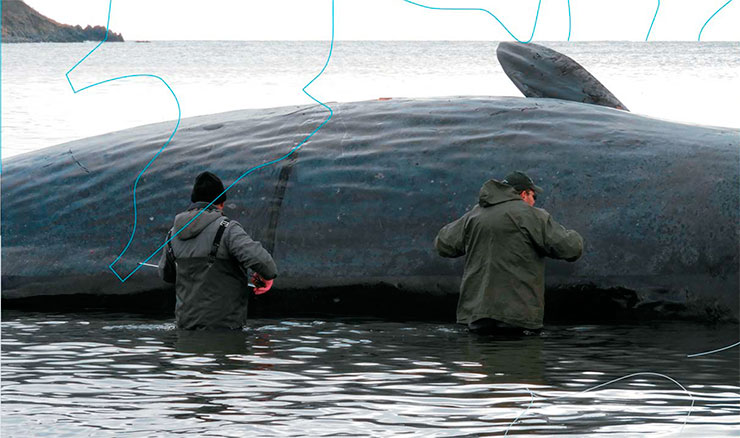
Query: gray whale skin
point(351, 216)
point(538, 71)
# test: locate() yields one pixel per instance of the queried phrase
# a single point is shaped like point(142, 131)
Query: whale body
point(356, 208)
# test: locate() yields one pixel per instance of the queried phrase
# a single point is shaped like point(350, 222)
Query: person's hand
point(261, 285)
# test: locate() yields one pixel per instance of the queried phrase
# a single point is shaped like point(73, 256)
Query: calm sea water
point(110, 375)
point(684, 81)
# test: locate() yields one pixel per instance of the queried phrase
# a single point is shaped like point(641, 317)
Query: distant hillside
point(22, 24)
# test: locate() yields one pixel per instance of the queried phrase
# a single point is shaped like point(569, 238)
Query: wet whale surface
point(359, 204)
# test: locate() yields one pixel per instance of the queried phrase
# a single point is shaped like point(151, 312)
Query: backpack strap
point(217, 240)
point(170, 251)
point(169, 273)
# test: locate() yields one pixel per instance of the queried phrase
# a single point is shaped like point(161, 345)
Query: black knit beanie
point(206, 188)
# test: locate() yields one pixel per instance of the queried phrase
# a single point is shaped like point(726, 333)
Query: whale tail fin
point(538, 71)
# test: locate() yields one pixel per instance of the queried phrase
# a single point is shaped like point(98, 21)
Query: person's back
point(208, 262)
point(505, 241)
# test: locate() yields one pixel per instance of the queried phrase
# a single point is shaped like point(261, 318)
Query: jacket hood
point(199, 224)
point(494, 192)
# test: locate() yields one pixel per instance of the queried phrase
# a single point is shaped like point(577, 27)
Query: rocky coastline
point(23, 24)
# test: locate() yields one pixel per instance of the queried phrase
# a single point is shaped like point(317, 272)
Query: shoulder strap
point(217, 240)
point(170, 251)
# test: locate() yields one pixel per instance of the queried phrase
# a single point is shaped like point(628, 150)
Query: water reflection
point(224, 342)
point(106, 374)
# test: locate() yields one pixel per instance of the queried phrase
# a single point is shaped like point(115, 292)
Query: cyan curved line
point(105, 38)
point(652, 22)
point(521, 414)
point(295, 148)
point(569, 21)
point(136, 182)
point(714, 351)
point(710, 18)
point(644, 373)
point(489, 13)
point(179, 116)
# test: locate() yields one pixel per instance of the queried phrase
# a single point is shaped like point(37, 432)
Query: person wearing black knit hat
point(505, 240)
point(208, 187)
point(207, 256)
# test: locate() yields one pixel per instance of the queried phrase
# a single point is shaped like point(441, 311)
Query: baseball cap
point(520, 181)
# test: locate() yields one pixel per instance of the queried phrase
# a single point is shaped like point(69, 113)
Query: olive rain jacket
point(212, 292)
point(504, 241)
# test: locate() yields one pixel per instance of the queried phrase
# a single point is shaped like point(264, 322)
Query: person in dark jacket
point(505, 240)
point(208, 262)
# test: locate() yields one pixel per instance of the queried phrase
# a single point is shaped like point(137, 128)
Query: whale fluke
point(538, 71)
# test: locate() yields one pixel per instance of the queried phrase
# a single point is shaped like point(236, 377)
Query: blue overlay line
point(714, 351)
point(569, 20)
point(179, 116)
point(653, 22)
point(521, 414)
point(295, 148)
point(645, 373)
point(710, 18)
point(495, 17)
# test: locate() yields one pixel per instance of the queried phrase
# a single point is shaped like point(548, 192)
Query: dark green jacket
point(505, 242)
point(212, 294)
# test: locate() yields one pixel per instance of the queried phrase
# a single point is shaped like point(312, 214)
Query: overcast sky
point(398, 20)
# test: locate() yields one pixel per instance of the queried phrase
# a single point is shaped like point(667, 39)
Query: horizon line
point(378, 40)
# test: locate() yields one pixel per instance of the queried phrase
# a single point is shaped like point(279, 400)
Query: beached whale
point(356, 208)
point(350, 217)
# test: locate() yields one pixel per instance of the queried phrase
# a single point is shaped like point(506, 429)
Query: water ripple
point(125, 375)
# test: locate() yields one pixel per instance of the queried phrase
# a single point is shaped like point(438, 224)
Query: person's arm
point(249, 253)
point(166, 267)
point(450, 241)
point(558, 242)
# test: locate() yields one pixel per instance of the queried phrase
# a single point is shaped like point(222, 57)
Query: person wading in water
point(208, 261)
point(505, 240)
